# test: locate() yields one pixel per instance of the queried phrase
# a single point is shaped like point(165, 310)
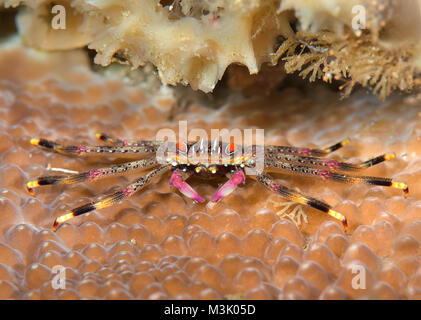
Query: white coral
point(191, 49)
point(193, 41)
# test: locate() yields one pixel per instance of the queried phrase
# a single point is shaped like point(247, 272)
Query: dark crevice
point(8, 25)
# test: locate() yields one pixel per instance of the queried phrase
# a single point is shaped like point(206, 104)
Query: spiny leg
point(114, 198)
point(85, 150)
point(296, 196)
point(305, 151)
point(229, 186)
point(330, 164)
point(91, 175)
point(177, 180)
point(338, 177)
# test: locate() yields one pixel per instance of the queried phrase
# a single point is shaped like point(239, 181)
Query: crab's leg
point(108, 139)
point(305, 151)
point(114, 198)
point(298, 197)
point(338, 177)
point(91, 175)
point(86, 150)
point(177, 180)
point(229, 186)
point(126, 143)
point(330, 164)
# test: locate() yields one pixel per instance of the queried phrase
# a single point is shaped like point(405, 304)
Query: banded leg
point(85, 150)
point(330, 164)
point(126, 143)
point(114, 198)
point(229, 186)
point(177, 180)
point(338, 177)
point(91, 175)
point(298, 197)
point(305, 151)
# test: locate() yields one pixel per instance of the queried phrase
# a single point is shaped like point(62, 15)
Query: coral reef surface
point(159, 244)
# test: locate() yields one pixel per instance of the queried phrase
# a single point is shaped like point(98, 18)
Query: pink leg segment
point(229, 186)
point(177, 181)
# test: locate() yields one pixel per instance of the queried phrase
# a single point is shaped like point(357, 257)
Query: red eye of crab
point(231, 148)
point(182, 147)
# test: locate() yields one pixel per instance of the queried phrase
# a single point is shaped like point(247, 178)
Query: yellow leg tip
point(62, 219)
point(65, 217)
point(403, 186)
point(103, 137)
point(345, 142)
point(30, 187)
point(35, 141)
point(32, 184)
point(339, 217)
point(389, 156)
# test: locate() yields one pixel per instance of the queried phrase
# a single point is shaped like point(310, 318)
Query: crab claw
point(177, 181)
point(229, 186)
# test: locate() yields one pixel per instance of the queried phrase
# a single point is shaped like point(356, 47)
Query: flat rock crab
point(209, 159)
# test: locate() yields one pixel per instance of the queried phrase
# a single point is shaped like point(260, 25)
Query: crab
point(210, 159)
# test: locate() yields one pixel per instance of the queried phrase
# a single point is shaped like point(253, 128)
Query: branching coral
point(356, 60)
point(295, 214)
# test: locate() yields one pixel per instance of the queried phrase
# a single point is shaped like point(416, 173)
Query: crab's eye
point(182, 147)
point(230, 148)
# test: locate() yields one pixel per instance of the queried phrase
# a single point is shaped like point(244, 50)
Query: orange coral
point(158, 245)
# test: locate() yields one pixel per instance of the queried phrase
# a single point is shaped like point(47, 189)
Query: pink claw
point(177, 181)
point(229, 186)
